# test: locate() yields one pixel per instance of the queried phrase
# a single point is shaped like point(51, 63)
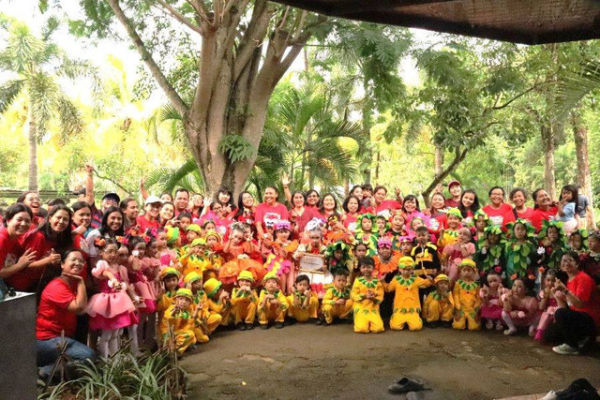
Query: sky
point(98, 52)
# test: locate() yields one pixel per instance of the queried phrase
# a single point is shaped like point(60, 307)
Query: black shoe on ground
point(278, 325)
point(264, 326)
point(406, 385)
point(242, 327)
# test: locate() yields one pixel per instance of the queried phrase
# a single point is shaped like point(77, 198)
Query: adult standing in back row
point(498, 211)
point(269, 212)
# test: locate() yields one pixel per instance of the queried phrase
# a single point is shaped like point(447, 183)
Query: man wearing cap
point(150, 220)
point(455, 191)
point(110, 199)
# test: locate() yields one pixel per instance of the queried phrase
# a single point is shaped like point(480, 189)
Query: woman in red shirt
point(577, 318)
point(498, 211)
point(13, 258)
point(269, 212)
point(299, 213)
point(518, 196)
point(544, 209)
point(61, 300)
point(32, 200)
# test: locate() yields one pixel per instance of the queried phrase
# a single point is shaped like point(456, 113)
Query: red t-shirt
point(26, 279)
point(53, 315)
point(350, 222)
point(450, 202)
point(144, 223)
point(527, 214)
point(301, 221)
point(584, 287)
point(388, 205)
point(500, 216)
point(10, 250)
point(268, 215)
point(538, 215)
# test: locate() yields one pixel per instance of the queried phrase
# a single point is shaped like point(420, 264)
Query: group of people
point(181, 269)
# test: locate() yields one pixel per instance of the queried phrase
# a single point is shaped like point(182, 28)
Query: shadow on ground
point(313, 362)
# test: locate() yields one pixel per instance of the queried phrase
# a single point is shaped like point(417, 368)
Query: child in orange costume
point(367, 295)
point(218, 300)
point(272, 304)
point(407, 304)
point(178, 323)
point(439, 304)
point(466, 297)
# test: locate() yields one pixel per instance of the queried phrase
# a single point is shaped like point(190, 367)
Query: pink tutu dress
point(492, 310)
point(151, 268)
point(455, 256)
point(145, 289)
point(110, 309)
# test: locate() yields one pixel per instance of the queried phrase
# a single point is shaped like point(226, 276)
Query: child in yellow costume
point(439, 304)
point(272, 304)
point(303, 303)
point(178, 323)
point(204, 322)
point(407, 304)
point(170, 278)
point(194, 259)
point(367, 295)
point(466, 297)
point(243, 301)
point(218, 301)
point(337, 302)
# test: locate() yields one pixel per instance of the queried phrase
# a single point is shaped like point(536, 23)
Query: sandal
point(406, 385)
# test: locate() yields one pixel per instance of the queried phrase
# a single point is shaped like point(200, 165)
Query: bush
point(153, 377)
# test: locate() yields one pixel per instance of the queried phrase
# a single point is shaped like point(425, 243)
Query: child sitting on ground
point(547, 304)
point(491, 305)
point(272, 304)
point(337, 302)
point(367, 295)
point(303, 303)
point(177, 325)
point(407, 304)
point(439, 304)
point(243, 301)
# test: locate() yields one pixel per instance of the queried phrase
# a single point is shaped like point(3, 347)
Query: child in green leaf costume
point(490, 251)
point(366, 232)
point(519, 252)
point(552, 246)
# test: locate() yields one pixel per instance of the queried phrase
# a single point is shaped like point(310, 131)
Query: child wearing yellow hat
point(466, 297)
point(407, 303)
point(177, 324)
point(367, 295)
point(337, 302)
point(272, 304)
point(303, 303)
point(193, 281)
point(218, 302)
point(194, 260)
point(244, 301)
point(439, 304)
point(170, 279)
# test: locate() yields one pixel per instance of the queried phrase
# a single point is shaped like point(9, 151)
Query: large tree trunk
point(438, 160)
point(584, 177)
point(33, 181)
point(547, 131)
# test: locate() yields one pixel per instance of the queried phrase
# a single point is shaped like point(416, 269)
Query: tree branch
point(200, 10)
point(173, 96)
point(106, 178)
point(179, 17)
point(459, 156)
point(253, 37)
point(506, 104)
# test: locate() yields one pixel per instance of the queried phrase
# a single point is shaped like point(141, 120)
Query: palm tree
point(37, 64)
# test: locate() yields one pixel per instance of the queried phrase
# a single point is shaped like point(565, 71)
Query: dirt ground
point(317, 362)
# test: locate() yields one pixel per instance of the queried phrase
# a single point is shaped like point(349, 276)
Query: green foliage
point(123, 377)
point(235, 147)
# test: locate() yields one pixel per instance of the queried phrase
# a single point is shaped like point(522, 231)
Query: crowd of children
point(381, 264)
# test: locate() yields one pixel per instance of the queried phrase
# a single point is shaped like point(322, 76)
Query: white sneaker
point(551, 395)
point(510, 332)
point(565, 349)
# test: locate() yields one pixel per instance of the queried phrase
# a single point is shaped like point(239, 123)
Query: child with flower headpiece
point(519, 252)
point(439, 304)
point(280, 259)
point(590, 260)
point(467, 302)
point(397, 229)
point(177, 324)
point(367, 295)
point(407, 243)
point(480, 222)
point(366, 232)
point(450, 234)
point(244, 301)
point(272, 304)
point(578, 241)
point(407, 302)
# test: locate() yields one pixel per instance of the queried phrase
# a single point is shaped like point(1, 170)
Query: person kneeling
point(303, 303)
point(337, 302)
point(439, 304)
point(243, 301)
point(178, 323)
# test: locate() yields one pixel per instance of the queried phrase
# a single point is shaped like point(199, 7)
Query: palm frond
point(9, 91)
point(69, 117)
point(43, 94)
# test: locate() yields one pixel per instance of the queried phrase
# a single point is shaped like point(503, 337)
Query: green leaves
point(9, 91)
point(235, 147)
